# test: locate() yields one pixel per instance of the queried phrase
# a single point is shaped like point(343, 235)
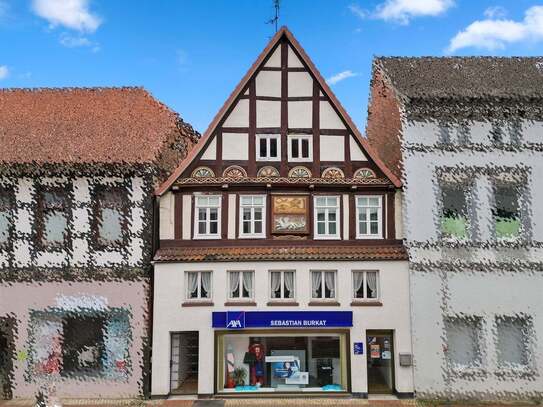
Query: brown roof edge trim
point(313, 69)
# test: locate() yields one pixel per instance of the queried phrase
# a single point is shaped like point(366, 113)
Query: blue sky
point(191, 53)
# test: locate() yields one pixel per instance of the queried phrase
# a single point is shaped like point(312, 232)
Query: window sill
point(279, 303)
point(324, 303)
point(327, 237)
point(197, 304)
point(251, 237)
point(368, 237)
point(211, 237)
point(240, 304)
point(366, 303)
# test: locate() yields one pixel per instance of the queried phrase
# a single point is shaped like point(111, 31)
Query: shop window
point(268, 147)
point(326, 217)
point(6, 216)
point(463, 342)
point(252, 216)
point(369, 217)
point(454, 212)
point(512, 341)
point(300, 147)
point(240, 284)
point(282, 362)
point(323, 284)
point(207, 217)
point(198, 285)
point(506, 210)
point(365, 285)
point(111, 213)
point(83, 349)
point(282, 284)
point(52, 217)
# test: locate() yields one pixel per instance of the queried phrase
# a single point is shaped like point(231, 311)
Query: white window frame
point(252, 235)
point(300, 137)
point(379, 234)
point(282, 297)
point(268, 137)
point(198, 289)
point(365, 286)
point(208, 207)
point(240, 298)
point(323, 282)
point(327, 236)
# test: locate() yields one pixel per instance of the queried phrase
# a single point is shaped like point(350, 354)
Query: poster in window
point(290, 214)
point(375, 351)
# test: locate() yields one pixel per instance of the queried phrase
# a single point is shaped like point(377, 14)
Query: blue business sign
point(358, 348)
point(282, 319)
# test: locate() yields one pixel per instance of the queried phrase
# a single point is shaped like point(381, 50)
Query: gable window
point(323, 284)
point(454, 220)
point(198, 285)
point(6, 215)
point(300, 147)
point(52, 217)
point(366, 285)
point(207, 217)
point(463, 336)
point(506, 211)
point(111, 212)
point(369, 217)
point(282, 284)
point(512, 341)
point(326, 217)
point(240, 284)
point(268, 147)
point(252, 216)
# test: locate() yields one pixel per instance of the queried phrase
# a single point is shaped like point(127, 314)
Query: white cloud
point(495, 12)
point(493, 34)
point(402, 11)
point(340, 76)
point(4, 72)
point(73, 14)
point(71, 41)
point(358, 11)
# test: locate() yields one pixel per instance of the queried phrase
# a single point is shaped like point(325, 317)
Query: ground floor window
point(79, 344)
point(279, 362)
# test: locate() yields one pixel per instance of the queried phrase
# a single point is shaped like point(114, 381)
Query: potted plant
point(239, 375)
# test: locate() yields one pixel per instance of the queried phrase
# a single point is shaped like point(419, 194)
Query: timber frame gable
point(282, 96)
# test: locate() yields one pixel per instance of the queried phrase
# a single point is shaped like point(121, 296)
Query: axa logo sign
point(235, 320)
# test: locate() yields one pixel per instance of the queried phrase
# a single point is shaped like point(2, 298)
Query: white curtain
point(234, 283)
point(371, 278)
point(192, 284)
point(358, 280)
point(206, 283)
point(289, 283)
point(248, 283)
point(316, 279)
point(330, 283)
point(275, 284)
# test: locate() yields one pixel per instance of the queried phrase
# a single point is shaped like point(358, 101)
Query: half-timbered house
point(280, 265)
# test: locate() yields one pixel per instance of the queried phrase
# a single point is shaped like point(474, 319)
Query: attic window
point(52, 217)
point(268, 147)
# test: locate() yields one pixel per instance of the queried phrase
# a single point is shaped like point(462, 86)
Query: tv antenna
point(275, 19)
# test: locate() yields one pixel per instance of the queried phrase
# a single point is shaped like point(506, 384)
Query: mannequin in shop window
point(255, 359)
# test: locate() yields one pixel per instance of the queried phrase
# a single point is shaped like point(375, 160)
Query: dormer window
point(300, 147)
point(268, 147)
point(207, 221)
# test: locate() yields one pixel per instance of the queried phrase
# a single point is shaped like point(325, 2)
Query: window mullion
point(282, 284)
point(365, 288)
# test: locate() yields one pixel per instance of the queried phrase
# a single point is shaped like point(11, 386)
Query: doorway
point(184, 363)
point(380, 348)
point(7, 355)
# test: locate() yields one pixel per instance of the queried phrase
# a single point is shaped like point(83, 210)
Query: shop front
point(282, 351)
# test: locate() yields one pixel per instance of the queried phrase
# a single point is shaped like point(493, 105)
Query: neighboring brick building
point(464, 134)
point(78, 168)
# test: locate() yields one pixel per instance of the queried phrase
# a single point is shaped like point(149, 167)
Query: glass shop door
point(184, 363)
point(380, 360)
